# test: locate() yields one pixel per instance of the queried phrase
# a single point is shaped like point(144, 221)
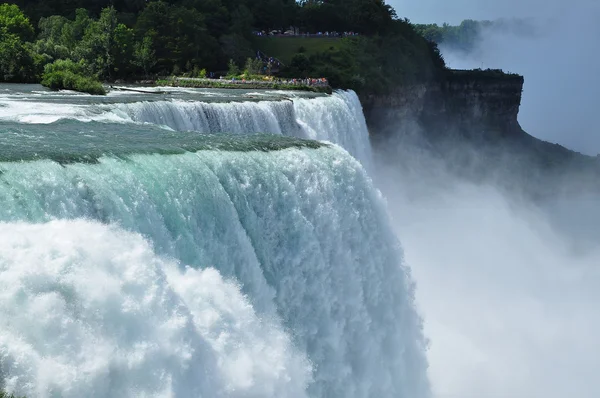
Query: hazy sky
point(454, 11)
point(562, 83)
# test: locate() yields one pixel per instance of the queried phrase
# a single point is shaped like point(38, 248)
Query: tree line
point(467, 35)
point(121, 39)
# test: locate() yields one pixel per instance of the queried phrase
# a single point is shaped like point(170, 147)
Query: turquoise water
point(68, 141)
point(334, 118)
point(141, 258)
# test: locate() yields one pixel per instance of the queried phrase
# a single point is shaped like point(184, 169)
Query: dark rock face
point(469, 103)
point(481, 103)
point(468, 122)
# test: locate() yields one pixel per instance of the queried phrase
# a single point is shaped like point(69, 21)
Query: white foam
point(89, 310)
point(302, 230)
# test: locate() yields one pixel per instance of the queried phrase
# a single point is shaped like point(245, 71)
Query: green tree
point(300, 65)
point(232, 69)
point(179, 35)
point(51, 41)
point(236, 47)
point(14, 22)
point(144, 55)
point(253, 66)
point(17, 62)
point(242, 21)
point(123, 50)
point(51, 28)
point(66, 74)
point(106, 39)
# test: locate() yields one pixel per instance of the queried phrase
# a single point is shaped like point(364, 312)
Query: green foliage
point(179, 35)
point(144, 55)
point(253, 67)
point(250, 84)
point(370, 64)
point(66, 65)
point(17, 61)
point(236, 47)
point(97, 46)
point(123, 49)
point(491, 75)
point(128, 39)
point(284, 48)
point(232, 69)
point(69, 75)
point(462, 37)
point(7, 395)
point(300, 65)
point(14, 22)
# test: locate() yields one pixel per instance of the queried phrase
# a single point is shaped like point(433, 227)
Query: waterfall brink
point(272, 117)
point(142, 298)
point(337, 118)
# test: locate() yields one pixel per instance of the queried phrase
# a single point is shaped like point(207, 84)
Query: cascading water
point(88, 310)
point(302, 231)
point(264, 267)
point(337, 118)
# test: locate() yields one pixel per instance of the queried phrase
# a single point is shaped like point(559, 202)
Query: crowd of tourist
point(316, 82)
point(293, 33)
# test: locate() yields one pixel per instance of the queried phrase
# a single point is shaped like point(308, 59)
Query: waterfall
point(213, 273)
point(337, 118)
point(164, 248)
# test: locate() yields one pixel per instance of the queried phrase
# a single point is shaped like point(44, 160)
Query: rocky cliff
point(468, 121)
point(469, 101)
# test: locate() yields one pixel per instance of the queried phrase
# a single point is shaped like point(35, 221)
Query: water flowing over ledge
point(336, 118)
point(303, 231)
point(63, 143)
point(164, 248)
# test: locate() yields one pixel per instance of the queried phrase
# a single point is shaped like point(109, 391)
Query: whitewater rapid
point(237, 273)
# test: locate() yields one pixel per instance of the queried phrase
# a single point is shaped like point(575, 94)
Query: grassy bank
point(284, 48)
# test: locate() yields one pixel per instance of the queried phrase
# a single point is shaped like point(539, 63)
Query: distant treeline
point(466, 36)
point(124, 39)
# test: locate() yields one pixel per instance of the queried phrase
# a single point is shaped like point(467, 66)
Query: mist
point(507, 293)
point(560, 62)
point(508, 287)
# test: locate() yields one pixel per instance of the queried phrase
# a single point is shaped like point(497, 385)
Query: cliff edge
point(469, 121)
point(461, 100)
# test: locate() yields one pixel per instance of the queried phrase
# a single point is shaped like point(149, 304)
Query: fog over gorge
point(508, 298)
point(508, 287)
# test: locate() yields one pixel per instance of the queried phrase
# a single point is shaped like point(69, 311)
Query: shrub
point(232, 69)
point(69, 75)
point(7, 395)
